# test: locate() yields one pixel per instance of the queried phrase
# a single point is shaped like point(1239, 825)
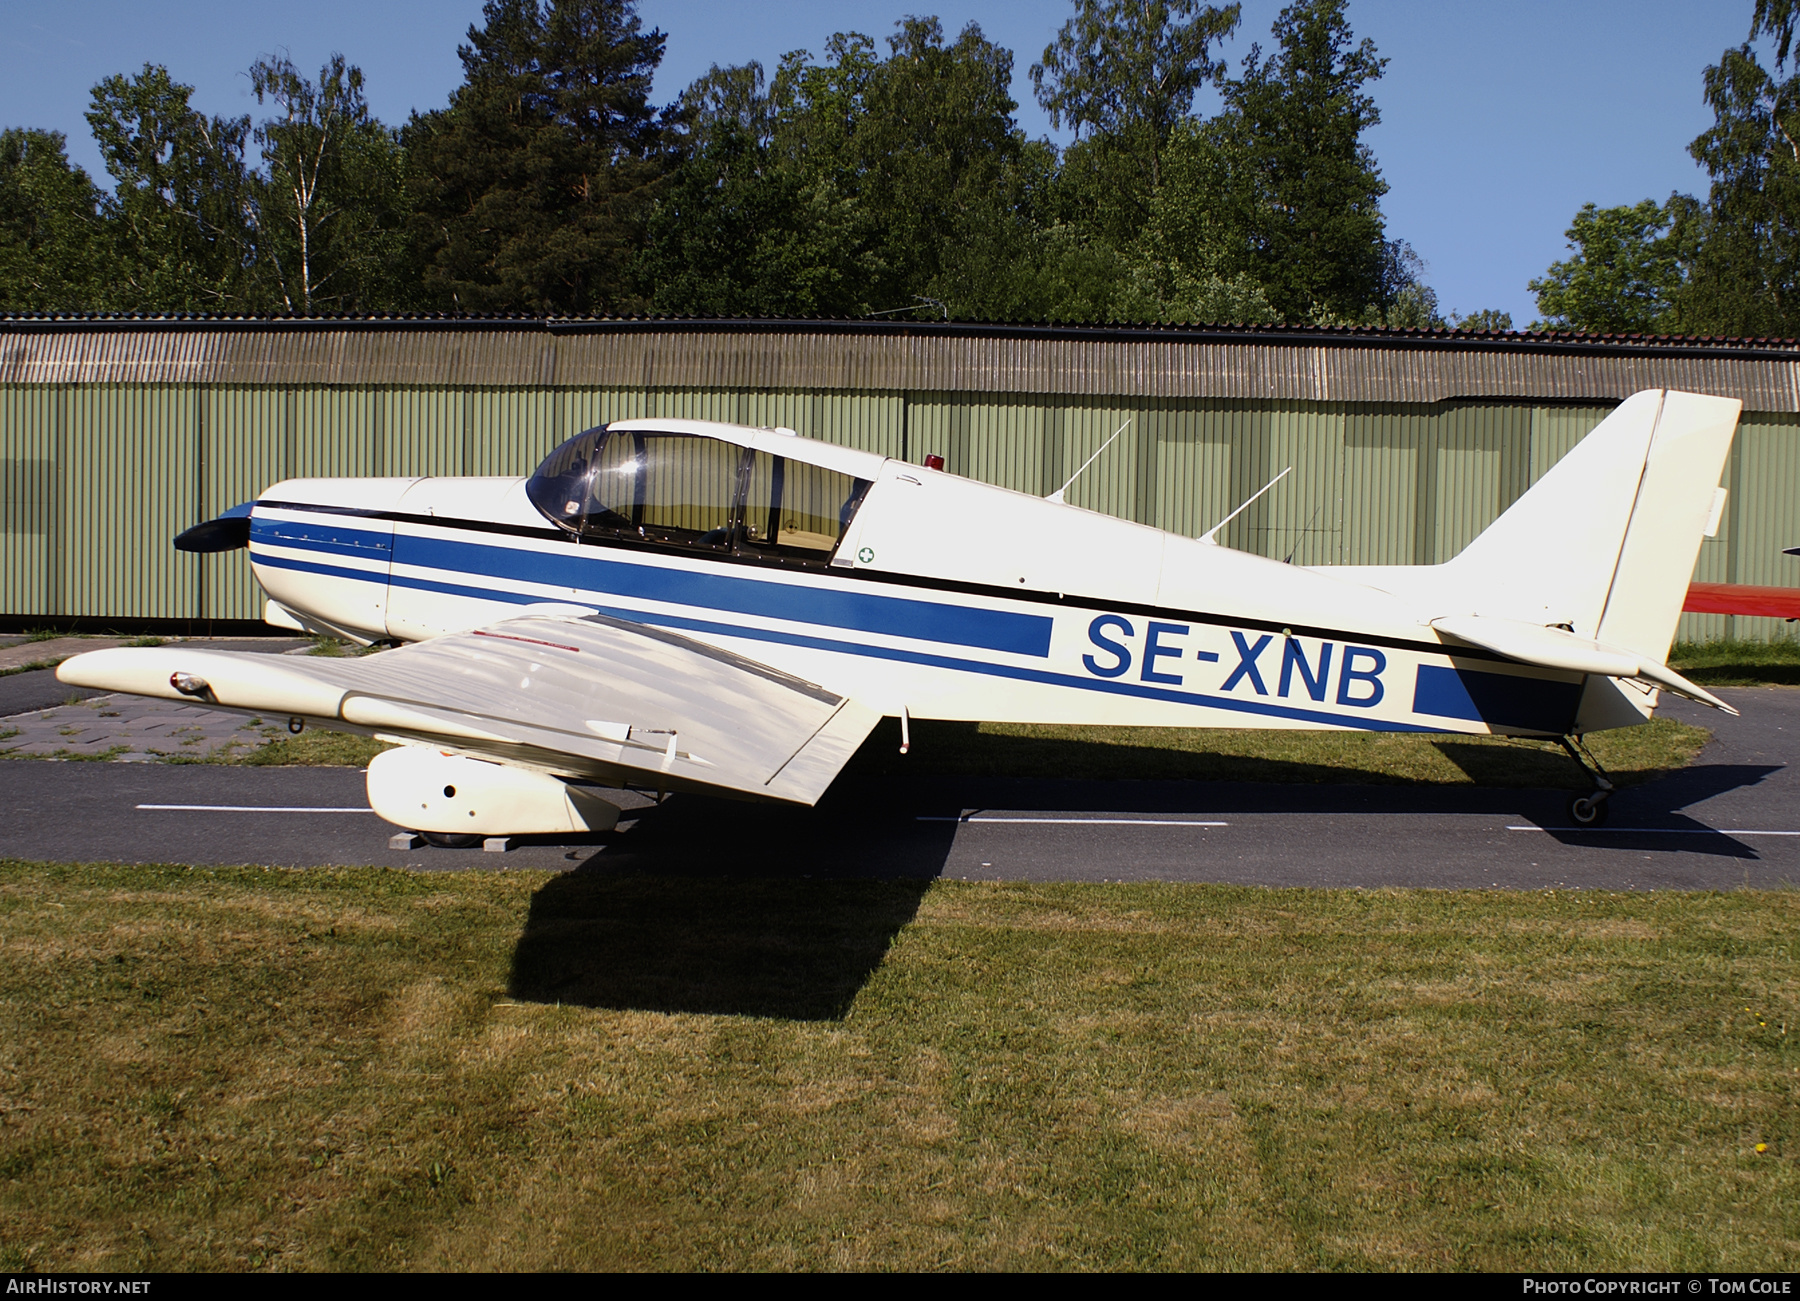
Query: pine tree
point(534, 184)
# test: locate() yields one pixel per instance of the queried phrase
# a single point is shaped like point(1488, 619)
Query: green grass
point(313, 748)
point(363, 1069)
point(1738, 663)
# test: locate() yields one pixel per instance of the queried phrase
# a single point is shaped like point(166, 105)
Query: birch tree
point(329, 206)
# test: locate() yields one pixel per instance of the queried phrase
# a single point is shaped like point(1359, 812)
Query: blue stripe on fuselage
point(956, 625)
point(1046, 677)
point(585, 570)
point(1497, 699)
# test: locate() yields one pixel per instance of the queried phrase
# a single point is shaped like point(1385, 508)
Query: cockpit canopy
point(691, 491)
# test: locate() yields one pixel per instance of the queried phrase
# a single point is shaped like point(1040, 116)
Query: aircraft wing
point(578, 695)
point(1742, 598)
point(1552, 648)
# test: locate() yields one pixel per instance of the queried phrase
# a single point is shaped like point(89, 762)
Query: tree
point(53, 244)
point(857, 184)
point(1624, 277)
point(1406, 301)
point(1743, 250)
point(1776, 18)
point(1488, 320)
point(1279, 190)
point(704, 232)
point(180, 213)
point(1728, 266)
point(534, 185)
point(1191, 261)
point(329, 209)
point(940, 159)
point(1123, 74)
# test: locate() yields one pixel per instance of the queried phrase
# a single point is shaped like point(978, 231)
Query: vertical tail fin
point(1606, 541)
point(1674, 510)
point(1603, 544)
point(1551, 556)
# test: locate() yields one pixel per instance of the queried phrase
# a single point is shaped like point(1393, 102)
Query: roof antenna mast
point(1057, 496)
point(1212, 534)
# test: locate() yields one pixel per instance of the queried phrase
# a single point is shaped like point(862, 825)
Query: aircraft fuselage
point(943, 597)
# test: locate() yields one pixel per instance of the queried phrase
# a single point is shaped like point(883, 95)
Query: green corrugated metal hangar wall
point(99, 477)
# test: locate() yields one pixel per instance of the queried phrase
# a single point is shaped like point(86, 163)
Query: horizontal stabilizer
point(1552, 648)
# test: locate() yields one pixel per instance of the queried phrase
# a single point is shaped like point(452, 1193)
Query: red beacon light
point(933, 461)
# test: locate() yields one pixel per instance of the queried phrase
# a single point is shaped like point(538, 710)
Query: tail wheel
point(1587, 811)
point(446, 840)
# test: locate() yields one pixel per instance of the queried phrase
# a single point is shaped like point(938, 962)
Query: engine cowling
point(423, 788)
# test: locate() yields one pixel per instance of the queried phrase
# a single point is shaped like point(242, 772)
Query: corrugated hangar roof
point(1248, 362)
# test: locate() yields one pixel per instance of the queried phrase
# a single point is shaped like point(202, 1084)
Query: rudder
point(1672, 512)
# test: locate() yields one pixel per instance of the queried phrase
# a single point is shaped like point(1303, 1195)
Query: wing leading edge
point(583, 696)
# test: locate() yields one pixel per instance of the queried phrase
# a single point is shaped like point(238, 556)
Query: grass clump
point(1630, 755)
point(1738, 663)
point(364, 1069)
point(316, 747)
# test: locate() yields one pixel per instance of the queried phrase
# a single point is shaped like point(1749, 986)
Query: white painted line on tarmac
point(1080, 822)
point(1665, 831)
point(243, 808)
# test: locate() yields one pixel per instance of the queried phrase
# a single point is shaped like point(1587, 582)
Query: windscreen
point(560, 489)
point(679, 488)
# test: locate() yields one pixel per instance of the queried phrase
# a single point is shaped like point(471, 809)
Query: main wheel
point(1587, 810)
point(450, 840)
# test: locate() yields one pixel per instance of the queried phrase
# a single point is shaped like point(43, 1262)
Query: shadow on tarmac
point(1657, 806)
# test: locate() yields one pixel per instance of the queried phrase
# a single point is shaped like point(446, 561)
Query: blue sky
point(1498, 120)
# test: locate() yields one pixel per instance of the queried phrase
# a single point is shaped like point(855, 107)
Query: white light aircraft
point(676, 605)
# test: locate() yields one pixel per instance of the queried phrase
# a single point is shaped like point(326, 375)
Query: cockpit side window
point(614, 500)
point(687, 488)
point(795, 510)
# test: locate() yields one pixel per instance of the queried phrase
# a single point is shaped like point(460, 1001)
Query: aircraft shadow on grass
point(793, 949)
point(715, 906)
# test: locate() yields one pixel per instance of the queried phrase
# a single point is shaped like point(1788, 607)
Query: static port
point(449, 792)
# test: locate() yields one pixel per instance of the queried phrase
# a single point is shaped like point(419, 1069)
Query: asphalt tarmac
point(1730, 820)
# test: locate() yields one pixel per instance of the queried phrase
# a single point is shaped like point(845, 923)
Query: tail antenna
point(1212, 534)
point(1057, 496)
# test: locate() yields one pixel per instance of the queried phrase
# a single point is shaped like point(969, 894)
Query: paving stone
point(140, 730)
